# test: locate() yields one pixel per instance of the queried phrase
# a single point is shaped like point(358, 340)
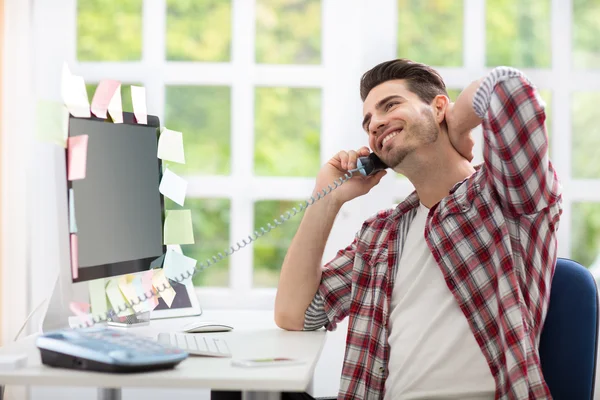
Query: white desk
point(254, 335)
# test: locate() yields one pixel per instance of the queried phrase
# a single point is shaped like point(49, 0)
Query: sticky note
point(72, 220)
point(52, 123)
point(177, 264)
point(175, 247)
point(117, 301)
point(170, 146)
point(159, 281)
point(74, 256)
point(146, 289)
point(97, 288)
point(138, 98)
point(74, 94)
point(173, 186)
point(102, 97)
point(157, 262)
point(128, 290)
point(81, 310)
point(115, 107)
point(77, 157)
point(178, 227)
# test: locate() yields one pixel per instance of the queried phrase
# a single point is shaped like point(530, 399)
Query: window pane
point(287, 126)
point(288, 31)
point(199, 30)
point(109, 30)
point(431, 31)
point(585, 234)
point(270, 250)
point(210, 218)
point(547, 97)
point(203, 115)
point(586, 30)
point(518, 33)
point(585, 135)
point(125, 94)
point(453, 93)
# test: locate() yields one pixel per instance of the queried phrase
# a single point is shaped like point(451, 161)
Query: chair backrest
point(569, 340)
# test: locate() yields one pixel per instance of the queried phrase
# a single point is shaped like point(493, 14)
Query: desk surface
point(254, 335)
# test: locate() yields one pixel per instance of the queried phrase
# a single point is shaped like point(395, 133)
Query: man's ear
point(439, 104)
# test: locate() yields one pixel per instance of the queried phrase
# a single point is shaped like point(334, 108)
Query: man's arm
point(515, 139)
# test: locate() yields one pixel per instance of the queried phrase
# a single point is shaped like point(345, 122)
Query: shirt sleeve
point(331, 303)
point(516, 142)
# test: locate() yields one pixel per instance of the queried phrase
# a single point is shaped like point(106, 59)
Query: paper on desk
point(77, 157)
point(115, 108)
point(173, 186)
point(138, 98)
point(74, 256)
point(159, 281)
point(72, 220)
point(170, 146)
point(116, 298)
point(178, 227)
point(52, 123)
point(128, 290)
point(97, 288)
point(177, 264)
point(81, 310)
point(103, 95)
point(74, 94)
point(145, 288)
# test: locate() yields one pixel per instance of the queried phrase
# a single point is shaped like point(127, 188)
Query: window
point(265, 91)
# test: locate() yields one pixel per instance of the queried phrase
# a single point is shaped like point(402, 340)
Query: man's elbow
point(289, 322)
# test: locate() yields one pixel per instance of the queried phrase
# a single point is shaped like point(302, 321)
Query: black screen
point(118, 207)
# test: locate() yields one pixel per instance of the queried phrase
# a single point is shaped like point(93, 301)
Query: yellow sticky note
point(115, 108)
point(127, 288)
point(116, 298)
point(97, 289)
point(159, 281)
point(145, 288)
point(52, 123)
point(178, 227)
point(177, 265)
point(170, 146)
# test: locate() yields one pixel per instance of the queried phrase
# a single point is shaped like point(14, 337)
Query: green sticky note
point(97, 289)
point(52, 122)
point(178, 227)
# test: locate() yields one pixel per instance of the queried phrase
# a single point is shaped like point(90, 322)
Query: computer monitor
point(118, 213)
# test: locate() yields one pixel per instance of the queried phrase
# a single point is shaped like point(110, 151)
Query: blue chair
point(569, 341)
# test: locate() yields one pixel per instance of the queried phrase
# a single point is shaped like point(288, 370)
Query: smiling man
point(447, 293)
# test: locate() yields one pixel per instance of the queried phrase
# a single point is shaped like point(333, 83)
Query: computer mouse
point(206, 326)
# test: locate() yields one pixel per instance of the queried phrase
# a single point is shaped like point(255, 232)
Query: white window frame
point(356, 35)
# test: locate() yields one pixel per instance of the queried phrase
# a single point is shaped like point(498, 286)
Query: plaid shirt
point(493, 237)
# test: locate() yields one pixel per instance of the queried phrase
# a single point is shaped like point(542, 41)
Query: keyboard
point(194, 344)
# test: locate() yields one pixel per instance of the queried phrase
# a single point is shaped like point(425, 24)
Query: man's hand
point(460, 135)
point(340, 164)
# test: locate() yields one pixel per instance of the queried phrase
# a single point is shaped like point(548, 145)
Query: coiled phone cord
point(111, 313)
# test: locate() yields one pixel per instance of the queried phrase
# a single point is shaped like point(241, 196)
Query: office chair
point(569, 340)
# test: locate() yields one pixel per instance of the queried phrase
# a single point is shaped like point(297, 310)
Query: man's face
point(397, 121)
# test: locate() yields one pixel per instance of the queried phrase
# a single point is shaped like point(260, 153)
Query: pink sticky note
point(81, 310)
point(147, 288)
point(104, 93)
point(76, 157)
point(74, 256)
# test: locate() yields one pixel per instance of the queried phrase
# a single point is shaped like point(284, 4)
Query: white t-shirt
point(433, 353)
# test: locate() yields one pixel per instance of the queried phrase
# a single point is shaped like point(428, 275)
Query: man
point(447, 293)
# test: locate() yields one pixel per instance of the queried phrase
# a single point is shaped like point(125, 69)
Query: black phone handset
point(365, 166)
point(370, 165)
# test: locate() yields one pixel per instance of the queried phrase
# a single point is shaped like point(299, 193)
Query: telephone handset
point(366, 166)
point(370, 165)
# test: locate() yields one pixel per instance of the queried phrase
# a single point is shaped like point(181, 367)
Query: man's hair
point(421, 79)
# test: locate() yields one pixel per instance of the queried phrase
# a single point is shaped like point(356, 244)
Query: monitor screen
point(117, 207)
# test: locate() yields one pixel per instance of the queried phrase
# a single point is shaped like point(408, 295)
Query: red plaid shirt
point(493, 237)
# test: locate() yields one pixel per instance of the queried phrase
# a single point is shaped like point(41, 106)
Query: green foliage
point(288, 31)
point(518, 33)
point(126, 102)
point(287, 132)
point(586, 31)
point(199, 30)
point(585, 233)
point(210, 218)
point(109, 30)
point(431, 31)
point(203, 115)
point(270, 250)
